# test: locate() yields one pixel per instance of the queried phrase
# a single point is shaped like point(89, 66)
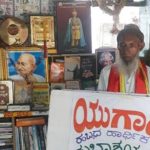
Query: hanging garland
point(113, 8)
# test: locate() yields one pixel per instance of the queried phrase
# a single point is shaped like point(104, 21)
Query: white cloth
point(38, 78)
point(130, 81)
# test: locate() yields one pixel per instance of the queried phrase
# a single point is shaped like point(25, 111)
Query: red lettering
point(79, 127)
point(81, 103)
point(138, 124)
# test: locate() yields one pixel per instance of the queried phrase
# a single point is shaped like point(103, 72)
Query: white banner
point(84, 120)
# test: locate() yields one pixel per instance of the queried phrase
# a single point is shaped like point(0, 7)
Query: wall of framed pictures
point(46, 45)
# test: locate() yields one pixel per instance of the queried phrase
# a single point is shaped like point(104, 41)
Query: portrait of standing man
point(74, 27)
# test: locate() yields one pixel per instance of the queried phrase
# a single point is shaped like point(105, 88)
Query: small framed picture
point(26, 64)
point(6, 92)
point(104, 56)
point(42, 29)
point(74, 30)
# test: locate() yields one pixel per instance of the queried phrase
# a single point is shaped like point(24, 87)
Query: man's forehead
point(129, 37)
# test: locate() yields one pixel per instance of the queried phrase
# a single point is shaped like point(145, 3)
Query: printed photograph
point(104, 56)
point(26, 65)
point(74, 28)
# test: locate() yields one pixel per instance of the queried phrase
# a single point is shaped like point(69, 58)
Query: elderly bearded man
point(129, 74)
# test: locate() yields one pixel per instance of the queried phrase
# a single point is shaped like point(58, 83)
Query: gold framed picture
point(42, 29)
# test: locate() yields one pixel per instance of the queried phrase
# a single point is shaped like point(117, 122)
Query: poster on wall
point(6, 8)
point(73, 27)
point(98, 121)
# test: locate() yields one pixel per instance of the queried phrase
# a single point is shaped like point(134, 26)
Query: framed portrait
point(27, 64)
point(73, 27)
point(42, 29)
point(104, 56)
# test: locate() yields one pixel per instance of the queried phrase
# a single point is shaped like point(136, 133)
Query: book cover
point(72, 68)
point(104, 56)
point(88, 67)
point(57, 72)
point(40, 96)
point(22, 92)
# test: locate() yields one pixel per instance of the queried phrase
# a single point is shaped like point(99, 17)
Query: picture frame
point(104, 56)
point(6, 92)
point(73, 33)
point(42, 29)
point(19, 68)
point(3, 72)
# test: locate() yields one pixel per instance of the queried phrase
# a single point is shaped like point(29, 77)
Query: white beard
point(128, 68)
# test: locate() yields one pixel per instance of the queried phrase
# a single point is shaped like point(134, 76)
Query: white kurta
point(129, 82)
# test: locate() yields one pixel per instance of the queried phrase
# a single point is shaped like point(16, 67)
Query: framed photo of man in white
point(104, 56)
point(26, 65)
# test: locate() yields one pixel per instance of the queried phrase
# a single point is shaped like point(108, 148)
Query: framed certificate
point(42, 29)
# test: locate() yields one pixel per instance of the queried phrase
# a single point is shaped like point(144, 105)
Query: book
point(41, 139)
point(57, 72)
point(72, 68)
point(20, 122)
point(40, 96)
point(87, 67)
point(104, 56)
point(22, 92)
point(14, 107)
